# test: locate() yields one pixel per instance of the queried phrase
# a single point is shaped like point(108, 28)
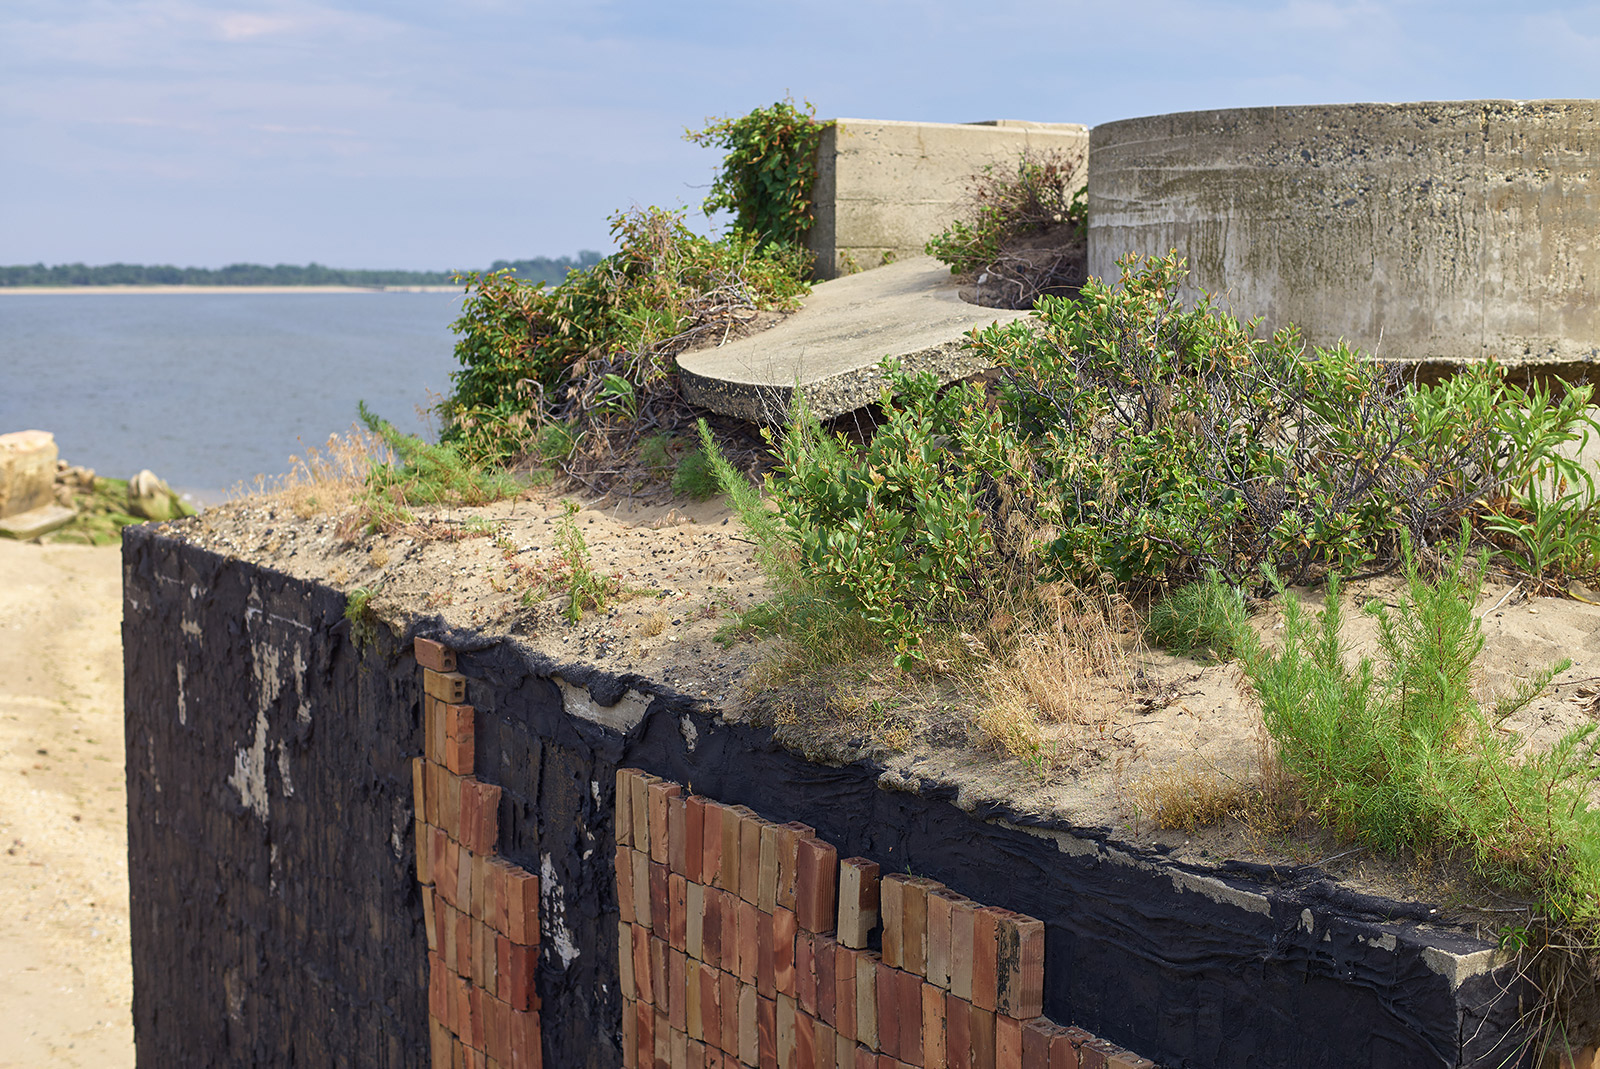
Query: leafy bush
point(768, 172)
point(599, 347)
point(1002, 205)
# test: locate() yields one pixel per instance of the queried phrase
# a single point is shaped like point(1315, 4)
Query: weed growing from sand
point(359, 614)
point(422, 473)
point(326, 481)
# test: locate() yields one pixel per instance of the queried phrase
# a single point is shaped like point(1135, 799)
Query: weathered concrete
point(884, 188)
point(35, 522)
point(832, 348)
point(27, 471)
point(1433, 232)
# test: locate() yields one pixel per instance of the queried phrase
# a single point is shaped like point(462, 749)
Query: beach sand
point(65, 973)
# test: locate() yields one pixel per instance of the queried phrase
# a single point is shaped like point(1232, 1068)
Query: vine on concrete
point(769, 170)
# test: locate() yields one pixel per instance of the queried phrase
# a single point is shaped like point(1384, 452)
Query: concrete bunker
point(1426, 233)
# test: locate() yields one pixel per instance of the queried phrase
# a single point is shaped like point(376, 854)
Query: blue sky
point(447, 135)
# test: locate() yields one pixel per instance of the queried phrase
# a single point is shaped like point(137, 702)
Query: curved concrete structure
point(1432, 232)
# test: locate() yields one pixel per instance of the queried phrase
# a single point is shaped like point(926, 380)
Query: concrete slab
point(832, 348)
point(27, 471)
point(35, 522)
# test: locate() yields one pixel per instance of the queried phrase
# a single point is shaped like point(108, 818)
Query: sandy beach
point(65, 975)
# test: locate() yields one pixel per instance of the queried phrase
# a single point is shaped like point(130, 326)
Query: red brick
point(645, 1030)
point(693, 837)
point(421, 841)
point(622, 810)
point(914, 930)
point(805, 971)
point(886, 1007)
point(1036, 1043)
point(438, 988)
point(522, 907)
point(460, 722)
point(434, 735)
point(639, 819)
point(497, 1029)
point(473, 1034)
point(658, 976)
point(790, 836)
point(713, 927)
point(958, 1032)
point(767, 868)
point(982, 1032)
point(694, 933)
point(1007, 1042)
point(749, 939)
point(419, 788)
point(444, 870)
point(624, 873)
point(434, 655)
point(660, 901)
point(677, 911)
point(1125, 1059)
point(823, 951)
point(439, 1043)
point(678, 834)
point(630, 1036)
point(464, 943)
point(985, 956)
point(805, 1040)
point(844, 991)
point(858, 901)
point(816, 884)
point(459, 756)
point(783, 939)
point(1091, 1055)
point(765, 954)
point(464, 881)
point(641, 888)
point(658, 793)
point(711, 842)
point(826, 1042)
point(749, 855)
point(867, 964)
point(693, 992)
point(498, 897)
point(891, 895)
point(865, 1059)
point(448, 687)
point(677, 985)
point(696, 1058)
point(678, 1050)
point(1019, 966)
point(523, 965)
point(728, 1001)
point(643, 978)
point(767, 1033)
point(710, 1005)
point(730, 865)
point(962, 914)
point(933, 1032)
point(430, 919)
point(907, 1017)
point(445, 923)
point(486, 832)
point(527, 1048)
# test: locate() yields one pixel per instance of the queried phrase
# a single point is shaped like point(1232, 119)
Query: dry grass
point(1191, 795)
point(1065, 658)
point(326, 481)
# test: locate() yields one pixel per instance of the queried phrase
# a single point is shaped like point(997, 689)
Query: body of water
point(211, 389)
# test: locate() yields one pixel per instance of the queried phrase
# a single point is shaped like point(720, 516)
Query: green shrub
point(694, 476)
point(425, 474)
point(768, 171)
point(1198, 617)
point(599, 347)
point(1003, 205)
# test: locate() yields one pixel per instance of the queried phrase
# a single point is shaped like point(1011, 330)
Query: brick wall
point(746, 942)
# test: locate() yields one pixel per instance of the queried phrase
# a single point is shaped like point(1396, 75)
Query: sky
point(441, 136)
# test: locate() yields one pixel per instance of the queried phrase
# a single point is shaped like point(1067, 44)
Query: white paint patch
point(1385, 941)
point(690, 733)
point(1307, 921)
point(621, 717)
point(250, 771)
point(183, 706)
point(553, 915)
point(1459, 968)
point(594, 790)
point(189, 627)
point(283, 769)
point(302, 712)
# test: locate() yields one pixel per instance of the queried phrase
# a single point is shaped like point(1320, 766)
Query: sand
point(65, 973)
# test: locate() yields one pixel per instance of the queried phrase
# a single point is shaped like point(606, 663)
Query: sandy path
point(65, 977)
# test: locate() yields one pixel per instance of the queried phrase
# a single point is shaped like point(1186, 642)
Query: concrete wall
point(884, 188)
point(1430, 231)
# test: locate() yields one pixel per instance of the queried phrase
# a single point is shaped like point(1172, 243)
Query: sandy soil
point(65, 976)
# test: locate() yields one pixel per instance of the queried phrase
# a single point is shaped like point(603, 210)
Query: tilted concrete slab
point(832, 349)
point(35, 522)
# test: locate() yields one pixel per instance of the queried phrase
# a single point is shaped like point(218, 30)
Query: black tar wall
point(296, 938)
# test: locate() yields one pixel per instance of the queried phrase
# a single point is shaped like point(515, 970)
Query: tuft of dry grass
point(1191, 796)
point(1065, 657)
point(326, 481)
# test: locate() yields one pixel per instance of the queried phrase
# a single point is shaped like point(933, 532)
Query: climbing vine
point(768, 171)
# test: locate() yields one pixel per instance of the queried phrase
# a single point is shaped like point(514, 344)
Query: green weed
point(694, 477)
point(424, 474)
point(586, 588)
point(362, 619)
point(1198, 618)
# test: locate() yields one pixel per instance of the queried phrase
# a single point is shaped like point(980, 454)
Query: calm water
point(208, 389)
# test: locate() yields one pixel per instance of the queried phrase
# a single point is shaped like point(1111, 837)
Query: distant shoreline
point(66, 290)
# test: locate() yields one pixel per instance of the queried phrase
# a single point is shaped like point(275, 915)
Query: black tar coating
point(1133, 954)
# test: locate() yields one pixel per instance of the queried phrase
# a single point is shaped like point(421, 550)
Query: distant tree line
point(539, 269)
